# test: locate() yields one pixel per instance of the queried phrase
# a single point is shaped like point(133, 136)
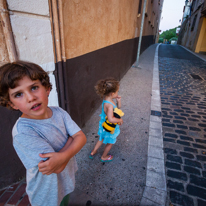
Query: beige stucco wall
point(89, 25)
point(201, 43)
point(193, 35)
point(152, 18)
point(203, 46)
point(149, 18)
point(195, 39)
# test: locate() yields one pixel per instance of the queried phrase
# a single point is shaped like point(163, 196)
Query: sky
point(172, 12)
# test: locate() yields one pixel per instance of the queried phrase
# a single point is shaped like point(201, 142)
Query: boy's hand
point(57, 161)
point(54, 164)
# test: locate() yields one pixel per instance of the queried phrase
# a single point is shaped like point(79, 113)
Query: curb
point(155, 191)
point(193, 53)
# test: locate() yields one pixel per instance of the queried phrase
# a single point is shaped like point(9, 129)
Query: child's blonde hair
point(106, 86)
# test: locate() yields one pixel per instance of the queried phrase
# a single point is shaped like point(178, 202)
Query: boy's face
point(31, 98)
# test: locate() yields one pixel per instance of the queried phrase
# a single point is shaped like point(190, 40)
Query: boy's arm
point(57, 161)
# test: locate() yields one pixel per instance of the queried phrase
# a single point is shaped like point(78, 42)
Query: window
point(140, 6)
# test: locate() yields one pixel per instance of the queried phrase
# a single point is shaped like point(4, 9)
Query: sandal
point(91, 156)
point(109, 159)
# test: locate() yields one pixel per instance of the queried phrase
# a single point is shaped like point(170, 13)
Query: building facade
point(186, 10)
point(193, 29)
point(77, 42)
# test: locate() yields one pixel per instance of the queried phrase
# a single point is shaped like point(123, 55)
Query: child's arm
point(110, 114)
point(119, 102)
point(58, 160)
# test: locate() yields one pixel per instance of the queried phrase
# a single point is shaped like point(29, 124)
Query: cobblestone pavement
point(183, 101)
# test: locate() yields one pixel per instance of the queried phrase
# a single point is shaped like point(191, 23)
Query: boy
point(40, 135)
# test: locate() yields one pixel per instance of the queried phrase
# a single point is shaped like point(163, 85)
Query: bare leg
point(107, 148)
point(97, 146)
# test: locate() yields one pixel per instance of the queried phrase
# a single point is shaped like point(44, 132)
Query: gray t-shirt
point(32, 137)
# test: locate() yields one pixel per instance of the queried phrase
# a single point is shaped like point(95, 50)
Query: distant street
point(183, 103)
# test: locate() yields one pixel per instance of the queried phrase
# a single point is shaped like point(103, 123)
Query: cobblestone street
point(183, 101)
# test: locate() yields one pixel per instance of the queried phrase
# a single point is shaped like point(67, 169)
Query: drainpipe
point(61, 25)
point(140, 35)
point(57, 25)
point(4, 14)
point(63, 52)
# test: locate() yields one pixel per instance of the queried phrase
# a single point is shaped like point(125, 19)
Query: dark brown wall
point(146, 42)
point(11, 167)
point(82, 73)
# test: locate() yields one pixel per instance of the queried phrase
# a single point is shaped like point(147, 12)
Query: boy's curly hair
point(106, 86)
point(11, 73)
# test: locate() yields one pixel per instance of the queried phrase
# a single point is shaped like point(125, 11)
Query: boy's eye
point(34, 88)
point(18, 95)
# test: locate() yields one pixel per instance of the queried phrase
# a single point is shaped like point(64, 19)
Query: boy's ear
point(12, 105)
point(48, 91)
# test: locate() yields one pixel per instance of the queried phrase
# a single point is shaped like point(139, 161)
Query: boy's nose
point(30, 97)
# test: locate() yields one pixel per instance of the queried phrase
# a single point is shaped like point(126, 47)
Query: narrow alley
point(132, 178)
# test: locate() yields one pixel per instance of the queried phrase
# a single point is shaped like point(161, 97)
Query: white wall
point(30, 22)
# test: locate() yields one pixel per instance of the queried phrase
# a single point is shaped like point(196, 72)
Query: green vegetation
point(169, 35)
point(173, 38)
